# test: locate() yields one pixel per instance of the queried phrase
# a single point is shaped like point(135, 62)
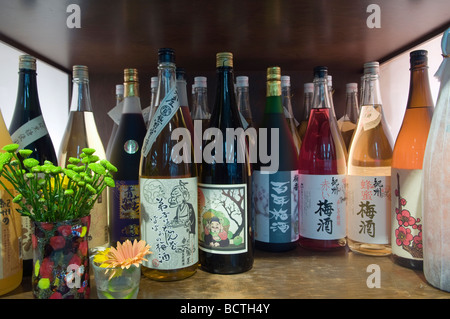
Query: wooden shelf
point(298, 274)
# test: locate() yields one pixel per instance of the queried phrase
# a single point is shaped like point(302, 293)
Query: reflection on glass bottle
point(308, 90)
point(287, 108)
point(347, 123)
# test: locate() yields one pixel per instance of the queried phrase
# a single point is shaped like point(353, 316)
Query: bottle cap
point(274, 73)
point(180, 73)
point(320, 72)
point(418, 57)
point(200, 81)
point(371, 67)
point(351, 87)
point(285, 81)
point(166, 55)
point(242, 81)
point(224, 59)
point(27, 62)
point(119, 89)
point(154, 82)
point(329, 81)
point(130, 75)
point(80, 72)
point(308, 87)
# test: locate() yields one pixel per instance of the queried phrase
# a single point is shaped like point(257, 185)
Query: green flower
point(25, 153)
point(97, 168)
point(110, 167)
point(109, 182)
point(17, 199)
point(74, 160)
point(30, 162)
point(91, 189)
point(11, 148)
point(88, 151)
point(68, 192)
point(5, 158)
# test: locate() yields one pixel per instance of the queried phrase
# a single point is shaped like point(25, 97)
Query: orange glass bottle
point(407, 160)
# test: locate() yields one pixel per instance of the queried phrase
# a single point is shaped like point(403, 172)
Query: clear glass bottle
point(286, 98)
point(124, 209)
point(308, 91)
point(226, 238)
point(275, 192)
point(28, 130)
point(322, 172)
point(10, 229)
point(81, 131)
point(369, 174)
point(243, 100)
point(347, 123)
point(168, 184)
point(119, 99)
point(436, 177)
point(184, 103)
point(407, 160)
point(148, 113)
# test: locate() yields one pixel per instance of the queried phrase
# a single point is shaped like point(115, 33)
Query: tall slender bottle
point(407, 160)
point(81, 131)
point(322, 171)
point(184, 103)
point(369, 174)
point(308, 91)
point(200, 110)
point(148, 112)
point(436, 176)
point(289, 114)
point(243, 100)
point(10, 230)
point(119, 99)
point(275, 184)
point(347, 123)
point(168, 184)
point(126, 155)
point(226, 238)
point(28, 129)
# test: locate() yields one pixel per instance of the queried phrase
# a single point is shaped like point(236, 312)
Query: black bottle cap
point(320, 71)
point(418, 57)
point(166, 55)
point(180, 72)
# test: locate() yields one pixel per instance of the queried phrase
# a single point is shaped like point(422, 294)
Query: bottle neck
point(351, 110)
point(307, 103)
point(286, 100)
point(371, 94)
point(243, 101)
point(182, 92)
point(273, 97)
point(167, 80)
point(81, 99)
point(225, 107)
point(419, 88)
point(132, 101)
point(200, 109)
point(321, 99)
point(27, 93)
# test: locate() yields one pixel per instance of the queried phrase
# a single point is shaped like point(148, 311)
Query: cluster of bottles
point(331, 187)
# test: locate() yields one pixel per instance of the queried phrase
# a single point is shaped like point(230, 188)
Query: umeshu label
point(406, 212)
point(29, 132)
point(322, 200)
point(223, 218)
point(126, 202)
point(163, 114)
point(275, 205)
point(368, 210)
point(169, 221)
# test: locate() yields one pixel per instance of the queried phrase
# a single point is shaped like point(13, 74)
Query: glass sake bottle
point(168, 184)
point(200, 110)
point(275, 184)
point(436, 177)
point(369, 174)
point(347, 123)
point(308, 91)
point(184, 103)
point(407, 161)
point(288, 112)
point(226, 238)
point(119, 99)
point(243, 100)
point(322, 172)
point(81, 132)
point(29, 131)
point(11, 263)
point(124, 198)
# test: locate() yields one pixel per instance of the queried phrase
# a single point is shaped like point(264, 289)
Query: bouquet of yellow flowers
point(49, 193)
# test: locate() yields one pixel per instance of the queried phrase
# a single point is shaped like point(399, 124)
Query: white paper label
point(368, 210)
point(169, 221)
point(163, 114)
point(116, 112)
point(30, 132)
point(322, 200)
point(371, 117)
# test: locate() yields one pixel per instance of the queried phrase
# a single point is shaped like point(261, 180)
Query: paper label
point(169, 221)
point(368, 210)
point(275, 206)
point(223, 218)
point(163, 114)
point(371, 117)
point(406, 212)
point(322, 200)
point(116, 112)
point(29, 132)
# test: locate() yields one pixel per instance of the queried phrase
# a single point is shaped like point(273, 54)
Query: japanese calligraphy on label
point(163, 114)
point(29, 132)
point(275, 205)
point(169, 221)
point(127, 203)
point(223, 218)
point(322, 200)
point(369, 205)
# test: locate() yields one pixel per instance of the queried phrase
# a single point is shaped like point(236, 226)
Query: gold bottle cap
point(80, 72)
point(131, 82)
point(273, 81)
point(274, 73)
point(27, 62)
point(224, 59)
point(130, 75)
